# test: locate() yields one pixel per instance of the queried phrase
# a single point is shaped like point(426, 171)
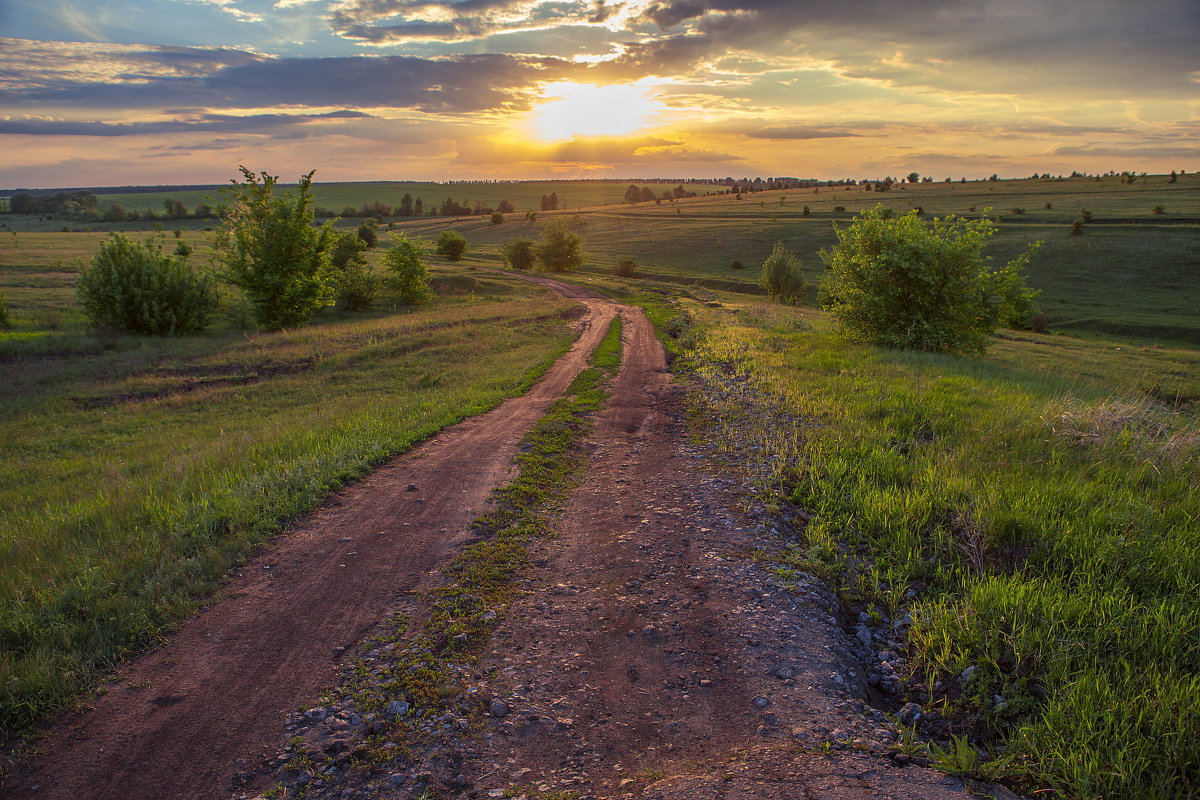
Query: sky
point(157, 92)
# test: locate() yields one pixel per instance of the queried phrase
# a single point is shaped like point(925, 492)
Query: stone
point(498, 709)
point(761, 701)
point(397, 708)
point(909, 713)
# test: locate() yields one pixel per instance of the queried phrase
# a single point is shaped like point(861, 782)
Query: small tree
point(136, 288)
point(625, 268)
point(357, 287)
point(497, 218)
point(560, 249)
point(409, 273)
point(368, 232)
point(913, 177)
point(781, 276)
point(268, 247)
point(451, 245)
point(519, 253)
point(910, 284)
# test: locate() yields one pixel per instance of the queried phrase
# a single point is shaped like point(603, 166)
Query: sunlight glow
point(574, 109)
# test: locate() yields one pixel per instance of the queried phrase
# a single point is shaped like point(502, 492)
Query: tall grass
point(1049, 523)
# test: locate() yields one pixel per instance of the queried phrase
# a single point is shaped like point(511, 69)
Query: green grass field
point(136, 471)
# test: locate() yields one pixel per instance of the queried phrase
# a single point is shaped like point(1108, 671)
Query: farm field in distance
point(1041, 500)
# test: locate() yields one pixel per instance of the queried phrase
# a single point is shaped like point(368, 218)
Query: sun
point(580, 109)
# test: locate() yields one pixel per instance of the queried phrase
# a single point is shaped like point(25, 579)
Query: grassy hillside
point(135, 471)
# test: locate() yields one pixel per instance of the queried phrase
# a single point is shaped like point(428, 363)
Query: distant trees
point(561, 249)
point(267, 246)
point(506, 207)
point(902, 282)
point(913, 177)
point(550, 202)
point(137, 288)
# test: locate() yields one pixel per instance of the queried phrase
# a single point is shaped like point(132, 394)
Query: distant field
point(1136, 275)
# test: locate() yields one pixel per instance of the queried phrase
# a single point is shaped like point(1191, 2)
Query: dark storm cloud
point(203, 123)
point(459, 84)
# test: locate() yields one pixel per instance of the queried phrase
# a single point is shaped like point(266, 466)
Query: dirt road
point(652, 657)
point(176, 722)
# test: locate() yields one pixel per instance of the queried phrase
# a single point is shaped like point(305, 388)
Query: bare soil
point(652, 655)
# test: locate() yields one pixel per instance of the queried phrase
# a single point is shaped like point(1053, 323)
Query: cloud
point(66, 75)
point(380, 22)
point(587, 152)
point(200, 123)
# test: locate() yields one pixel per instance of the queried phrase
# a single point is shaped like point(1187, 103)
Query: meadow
point(1040, 502)
point(136, 471)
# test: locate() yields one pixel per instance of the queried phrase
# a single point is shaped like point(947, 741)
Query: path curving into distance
point(175, 721)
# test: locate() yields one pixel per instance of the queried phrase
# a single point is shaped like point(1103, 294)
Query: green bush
point(451, 245)
point(909, 284)
point(781, 276)
point(136, 288)
point(560, 249)
point(357, 287)
point(497, 218)
point(519, 253)
point(625, 268)
point(183, 249)
point(368, 232)
point(409, 273)
point(269, 248)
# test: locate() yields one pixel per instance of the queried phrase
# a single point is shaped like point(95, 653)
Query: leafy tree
point(781, 275)
point(116, 213)
point(368, 232)
point(906, 283)
point(560, 249)
point(357, 287)
point(519, 253)
point(418, 207)
point(506, 207)
point(268, 247)
point(406, 206)
point(913, 177)
point(550, 201)
point(451, 245)
point(406, 261)
point(1173, 177)
point(136, 288)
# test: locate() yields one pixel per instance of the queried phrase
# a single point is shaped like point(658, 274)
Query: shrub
point(368, 232)
point(839, 208)
point(1085, 215)
point(451, 245)
point(735, 264)
point(560, 249)
point(625, 268)
point(497, 218)
point(911, 284)
point(409, 273)
point(518, 253)
point(1049, 206)
point(804, 212)
point(356, 285)
point(183, 249)
point(1158, 210)
point(781, 276)
point(1017, 210)
point(134, 287)
point(269, 248)
point(5, 322)
point(1076, 227)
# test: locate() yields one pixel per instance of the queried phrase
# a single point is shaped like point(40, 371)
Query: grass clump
point(1047, 518)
